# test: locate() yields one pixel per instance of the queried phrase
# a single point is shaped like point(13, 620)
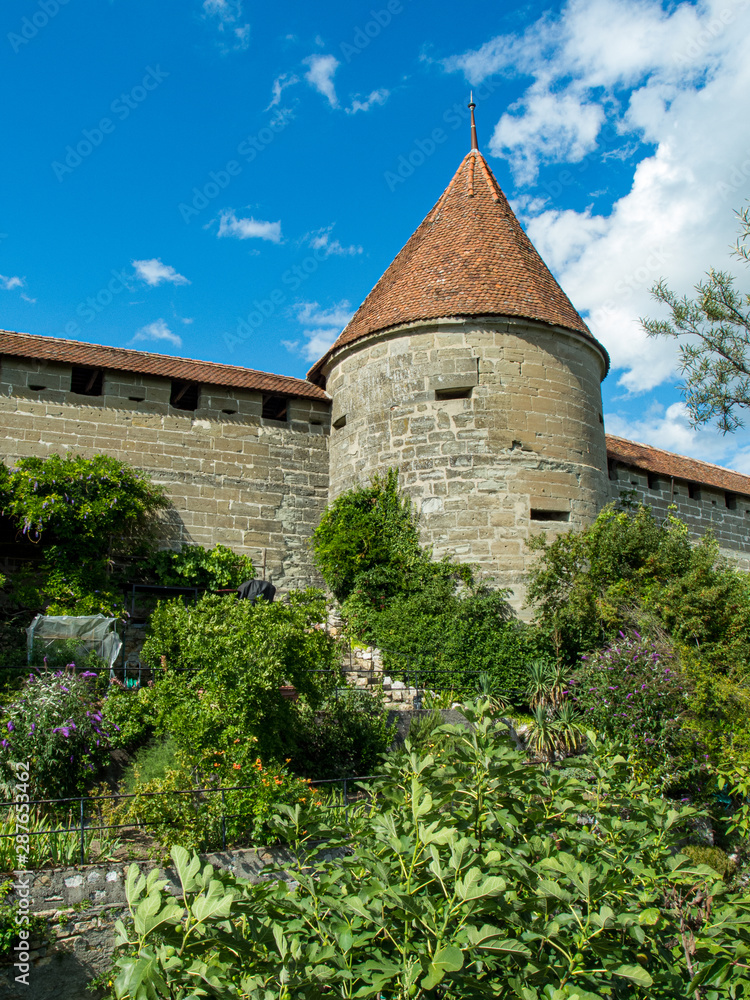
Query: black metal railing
point(83, 806)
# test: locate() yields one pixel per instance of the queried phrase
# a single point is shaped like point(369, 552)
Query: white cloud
point(9, 283)
point(320, 76)
point(375, 97)
point(153, 272)
point(157, 331)
point(279, 86)
point(321, 328)
point(321, 240)
point(547, 127)
point(668, 83)
point(228, 14)
point(245, 229)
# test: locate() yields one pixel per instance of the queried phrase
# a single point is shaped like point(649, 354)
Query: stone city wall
point(700, 507)
point(233, 477)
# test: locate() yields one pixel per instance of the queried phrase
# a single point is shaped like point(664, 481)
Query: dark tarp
point(251, 590)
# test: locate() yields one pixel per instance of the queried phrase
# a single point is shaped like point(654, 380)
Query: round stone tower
point(469, 370)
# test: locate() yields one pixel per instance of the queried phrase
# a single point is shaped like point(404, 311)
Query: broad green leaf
point(216, 904)
point(634, 972)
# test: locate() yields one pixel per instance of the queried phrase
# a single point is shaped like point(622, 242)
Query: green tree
point(713, 330)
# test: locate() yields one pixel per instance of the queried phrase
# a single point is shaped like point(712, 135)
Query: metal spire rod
point(472, 105)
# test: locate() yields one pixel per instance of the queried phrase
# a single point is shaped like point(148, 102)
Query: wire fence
point(84, 813)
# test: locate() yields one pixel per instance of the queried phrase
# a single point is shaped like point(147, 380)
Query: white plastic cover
point(92, 632)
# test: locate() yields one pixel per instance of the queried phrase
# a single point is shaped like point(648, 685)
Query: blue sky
point(171, 169)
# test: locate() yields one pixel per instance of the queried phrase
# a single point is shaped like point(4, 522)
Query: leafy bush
point(226, 662)
point(473, 876)
point(128, 717)
point(719, 713)
point(368, 530)
point(213, 569)
point(629, 571)
point(85, 511)
point(423, 613)
point(635, 692)
point(448, 634)
point(202, 819)
point(346, 736)
point(55, 725)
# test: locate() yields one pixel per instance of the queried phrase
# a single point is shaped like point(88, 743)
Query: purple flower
point(11, 727)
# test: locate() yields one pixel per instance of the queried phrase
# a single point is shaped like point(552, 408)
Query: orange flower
point(236, 766)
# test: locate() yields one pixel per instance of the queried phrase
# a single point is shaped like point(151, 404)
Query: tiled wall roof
point(74, 352)
point(470, 257)
point(666, 463)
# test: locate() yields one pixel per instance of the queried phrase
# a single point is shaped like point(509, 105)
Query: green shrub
point(629, 570)
point(346, 736)
point(128, 716)
point(56, 727)
point(84, 512)
point(369, 529)
point(476, 875)
point(221, 810)
point(451, 637)
point(192, 565)
point(714, 857)
point(226, 661)
point(635, 692)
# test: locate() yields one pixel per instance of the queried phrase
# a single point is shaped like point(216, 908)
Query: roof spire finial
point(472, 105)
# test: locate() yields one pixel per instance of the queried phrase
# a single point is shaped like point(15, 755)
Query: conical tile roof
point(470, 257)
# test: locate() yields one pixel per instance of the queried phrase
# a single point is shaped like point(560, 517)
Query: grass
point(46, 847)
point(152, 761)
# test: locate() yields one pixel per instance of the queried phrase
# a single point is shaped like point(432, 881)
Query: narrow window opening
point(694, 492)
point(653, 482)
point(550, 515)
point(601, 419)
point(340, 422)
point(314, 422)
point(274, 408)
point(86, 381)
point(229, 413)
point(136, 399)
point(184, 395)
point(731, 501)
point(453, 393)
point(37, 388)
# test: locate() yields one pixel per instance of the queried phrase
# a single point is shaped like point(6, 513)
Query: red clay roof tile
point(470, 257)
point(666, 463)
point(75, 352)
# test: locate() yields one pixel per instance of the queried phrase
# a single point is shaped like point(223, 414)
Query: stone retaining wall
point(81, 906)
